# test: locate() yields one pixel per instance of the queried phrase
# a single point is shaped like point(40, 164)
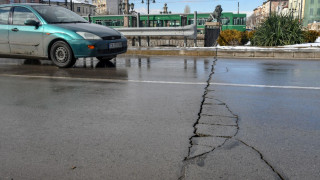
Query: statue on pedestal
point(216, 14)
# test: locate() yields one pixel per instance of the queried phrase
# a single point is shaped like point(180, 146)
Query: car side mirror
point(31, 22)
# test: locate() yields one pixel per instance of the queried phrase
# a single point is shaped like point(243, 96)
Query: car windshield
point(58, 14)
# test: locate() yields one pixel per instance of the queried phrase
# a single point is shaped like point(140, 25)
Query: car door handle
point(15, 29)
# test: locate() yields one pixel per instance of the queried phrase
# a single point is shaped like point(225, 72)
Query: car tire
point(62, 55)
point(101, 58)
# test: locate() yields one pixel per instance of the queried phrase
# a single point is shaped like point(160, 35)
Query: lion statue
point(216, 14)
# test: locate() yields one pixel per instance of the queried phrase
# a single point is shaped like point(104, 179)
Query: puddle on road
point(155, 68)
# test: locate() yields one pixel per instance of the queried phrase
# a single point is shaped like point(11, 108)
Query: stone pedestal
point(212, 32)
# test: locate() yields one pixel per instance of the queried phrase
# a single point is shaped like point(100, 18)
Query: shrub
point(230, 38)
point(278, 30)
point(244, 37)
point(310, 36)
point(251, 34)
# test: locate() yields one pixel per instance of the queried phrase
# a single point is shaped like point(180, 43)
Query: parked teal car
point(38, 31)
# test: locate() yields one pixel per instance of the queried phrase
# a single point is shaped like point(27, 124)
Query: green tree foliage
point(278, 30)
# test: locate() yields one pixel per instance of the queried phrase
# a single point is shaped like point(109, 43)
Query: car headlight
point(87, 35)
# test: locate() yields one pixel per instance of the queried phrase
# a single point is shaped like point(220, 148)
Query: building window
point(318, 11)
point(312, 1)
point(311, 11)
point(78, 9)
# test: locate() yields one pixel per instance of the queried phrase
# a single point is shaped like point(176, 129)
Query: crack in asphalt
point(262, 158)
point(187, 158)
point(197, 158)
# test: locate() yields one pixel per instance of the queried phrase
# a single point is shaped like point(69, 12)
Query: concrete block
point(260, 54)
point(283, 55)
point(317, 55)
point(303, 55)
point(243, 54)
point(225, 54)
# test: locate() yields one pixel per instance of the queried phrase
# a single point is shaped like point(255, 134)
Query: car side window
point(21, 14)
point(4, 15)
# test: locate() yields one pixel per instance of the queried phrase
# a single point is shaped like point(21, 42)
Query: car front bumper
point(101, 48)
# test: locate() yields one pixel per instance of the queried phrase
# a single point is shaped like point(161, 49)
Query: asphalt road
point(160, 118)
point(130, 120)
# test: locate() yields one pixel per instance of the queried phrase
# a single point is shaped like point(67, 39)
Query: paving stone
point(213, 142)
point(197, 150)
point(214, 130)
point(218, 120)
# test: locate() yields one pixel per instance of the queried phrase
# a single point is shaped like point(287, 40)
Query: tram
point(229, 20)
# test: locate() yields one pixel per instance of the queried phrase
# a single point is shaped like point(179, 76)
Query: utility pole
point(238, 7)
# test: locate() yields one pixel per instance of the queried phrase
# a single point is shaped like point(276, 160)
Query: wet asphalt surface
point(160, 118)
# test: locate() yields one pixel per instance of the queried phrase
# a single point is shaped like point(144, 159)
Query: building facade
point(311, 12)
point(297, 8)
point(263, 12)
point(107, 7)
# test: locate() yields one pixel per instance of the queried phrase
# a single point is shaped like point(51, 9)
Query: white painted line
point(265, 86)
point(159, 82)
point(104, 80)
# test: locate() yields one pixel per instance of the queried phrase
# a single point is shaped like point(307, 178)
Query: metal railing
point(188, 32)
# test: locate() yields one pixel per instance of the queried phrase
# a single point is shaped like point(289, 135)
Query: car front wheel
point(62, 55)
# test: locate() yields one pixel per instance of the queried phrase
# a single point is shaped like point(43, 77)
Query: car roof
point(25, 4)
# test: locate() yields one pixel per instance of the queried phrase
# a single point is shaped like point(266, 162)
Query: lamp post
point(125, 7)
point(148, 21)
point(148, 4)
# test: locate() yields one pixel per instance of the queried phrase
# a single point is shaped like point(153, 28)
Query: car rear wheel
point(62, 55)
point(101, 58)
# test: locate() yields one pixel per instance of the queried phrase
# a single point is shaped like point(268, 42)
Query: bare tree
point(187, 9)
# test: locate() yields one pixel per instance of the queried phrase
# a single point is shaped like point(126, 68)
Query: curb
point(276, 53)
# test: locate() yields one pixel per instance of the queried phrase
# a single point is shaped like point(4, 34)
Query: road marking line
point(104, 80)
point(161, 82)
point(265, 86)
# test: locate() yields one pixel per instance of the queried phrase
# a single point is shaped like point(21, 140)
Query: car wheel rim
point(61, 54)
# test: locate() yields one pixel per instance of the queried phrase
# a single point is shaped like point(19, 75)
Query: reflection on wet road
point(186, 70)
